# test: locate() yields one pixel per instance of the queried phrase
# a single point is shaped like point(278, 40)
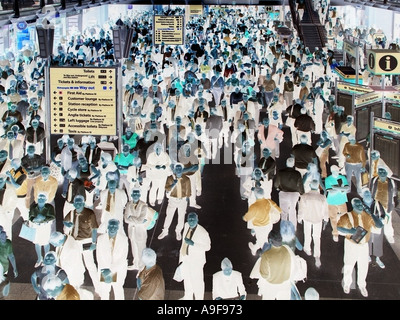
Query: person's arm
point(11, 257)
point(12, 180)
point(34, 283)
point(94, 239)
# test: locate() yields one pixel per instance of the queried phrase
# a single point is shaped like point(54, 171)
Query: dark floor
point(221, 214)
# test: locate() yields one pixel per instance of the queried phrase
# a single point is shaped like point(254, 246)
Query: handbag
point(27, 232)
point(364, 178)
point(178, 273)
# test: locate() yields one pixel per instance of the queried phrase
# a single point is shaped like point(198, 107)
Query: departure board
point(83, 101)
point(168, 30)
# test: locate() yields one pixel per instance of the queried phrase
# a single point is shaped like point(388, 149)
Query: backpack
point(299, 269)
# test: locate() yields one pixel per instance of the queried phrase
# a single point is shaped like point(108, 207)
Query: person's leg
point(118, 286)
point(88, 258)
point(169, 214)
point(294, 198)
point(362, 265)
point(349, 259)
point(38, 249)
point(197, 279)
point(333, 212)
point(182, 207)
point(284, 204)
point(316, 236)
point(388, 228)
point(307, 237)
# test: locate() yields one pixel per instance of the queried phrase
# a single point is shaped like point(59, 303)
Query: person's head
point(382, 172)
point(30, 150)
point(35, 123)
point(42, 199)
point(314, 184)
point(226, 266)
point(366, 194)
point(192, 219)
point(50, 258)
point(275, 238)
point(311, 294)
point(349, 120)
point(352, 139)
point(45, 172)
point(3, 236)
point(335, 170)
point(105, 158)
point(257, 173)
point(149, 257)
point(303, 139)
point(70, 143)
point(266, 152)
point(135, 194)
point(375, 154)
point(290, 162)
point(113, 227)
point(178, 169)
point(287, 230)
point(265, 121)
point(3, 155)
point(357, 205)
point(60, 143)
point(112, 185)
point(10, 135)
point(79, 203)
point(125, 149)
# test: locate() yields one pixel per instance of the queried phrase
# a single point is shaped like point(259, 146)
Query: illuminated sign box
point(195, 9)
point(83, 101)
point(386, 125)
point(168, 30)
point(383, 61)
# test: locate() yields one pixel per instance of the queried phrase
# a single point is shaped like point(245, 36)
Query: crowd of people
point(235, 84)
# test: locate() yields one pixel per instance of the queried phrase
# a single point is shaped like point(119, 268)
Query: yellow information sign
point(387, 125)
point(368, 98)
point(353, 88)
point(83, 101)
point(168, 29)
point(195, 9)
point(350, 48)
point(393, 96)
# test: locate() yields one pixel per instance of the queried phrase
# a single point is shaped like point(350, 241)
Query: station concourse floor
point(221, 215)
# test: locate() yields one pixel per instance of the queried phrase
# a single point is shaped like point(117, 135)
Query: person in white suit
point(227, 284)
point(192, 256)
point(113, 202)
point(139, 217)
point(112, 260)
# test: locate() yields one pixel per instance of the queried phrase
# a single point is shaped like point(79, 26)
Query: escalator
point(309, 27)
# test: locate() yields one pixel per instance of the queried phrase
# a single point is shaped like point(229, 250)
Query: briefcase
point(27, 232)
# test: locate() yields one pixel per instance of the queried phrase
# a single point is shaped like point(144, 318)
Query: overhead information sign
point(383, 61)
point(168, 29)
point(350, 48)
point(83, 101)
point(393, 96)
point(353, 88)
point(387, 125)
point(195, 9)
point(368, 98)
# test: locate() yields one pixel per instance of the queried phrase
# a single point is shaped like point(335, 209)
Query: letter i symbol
point(387, 63)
